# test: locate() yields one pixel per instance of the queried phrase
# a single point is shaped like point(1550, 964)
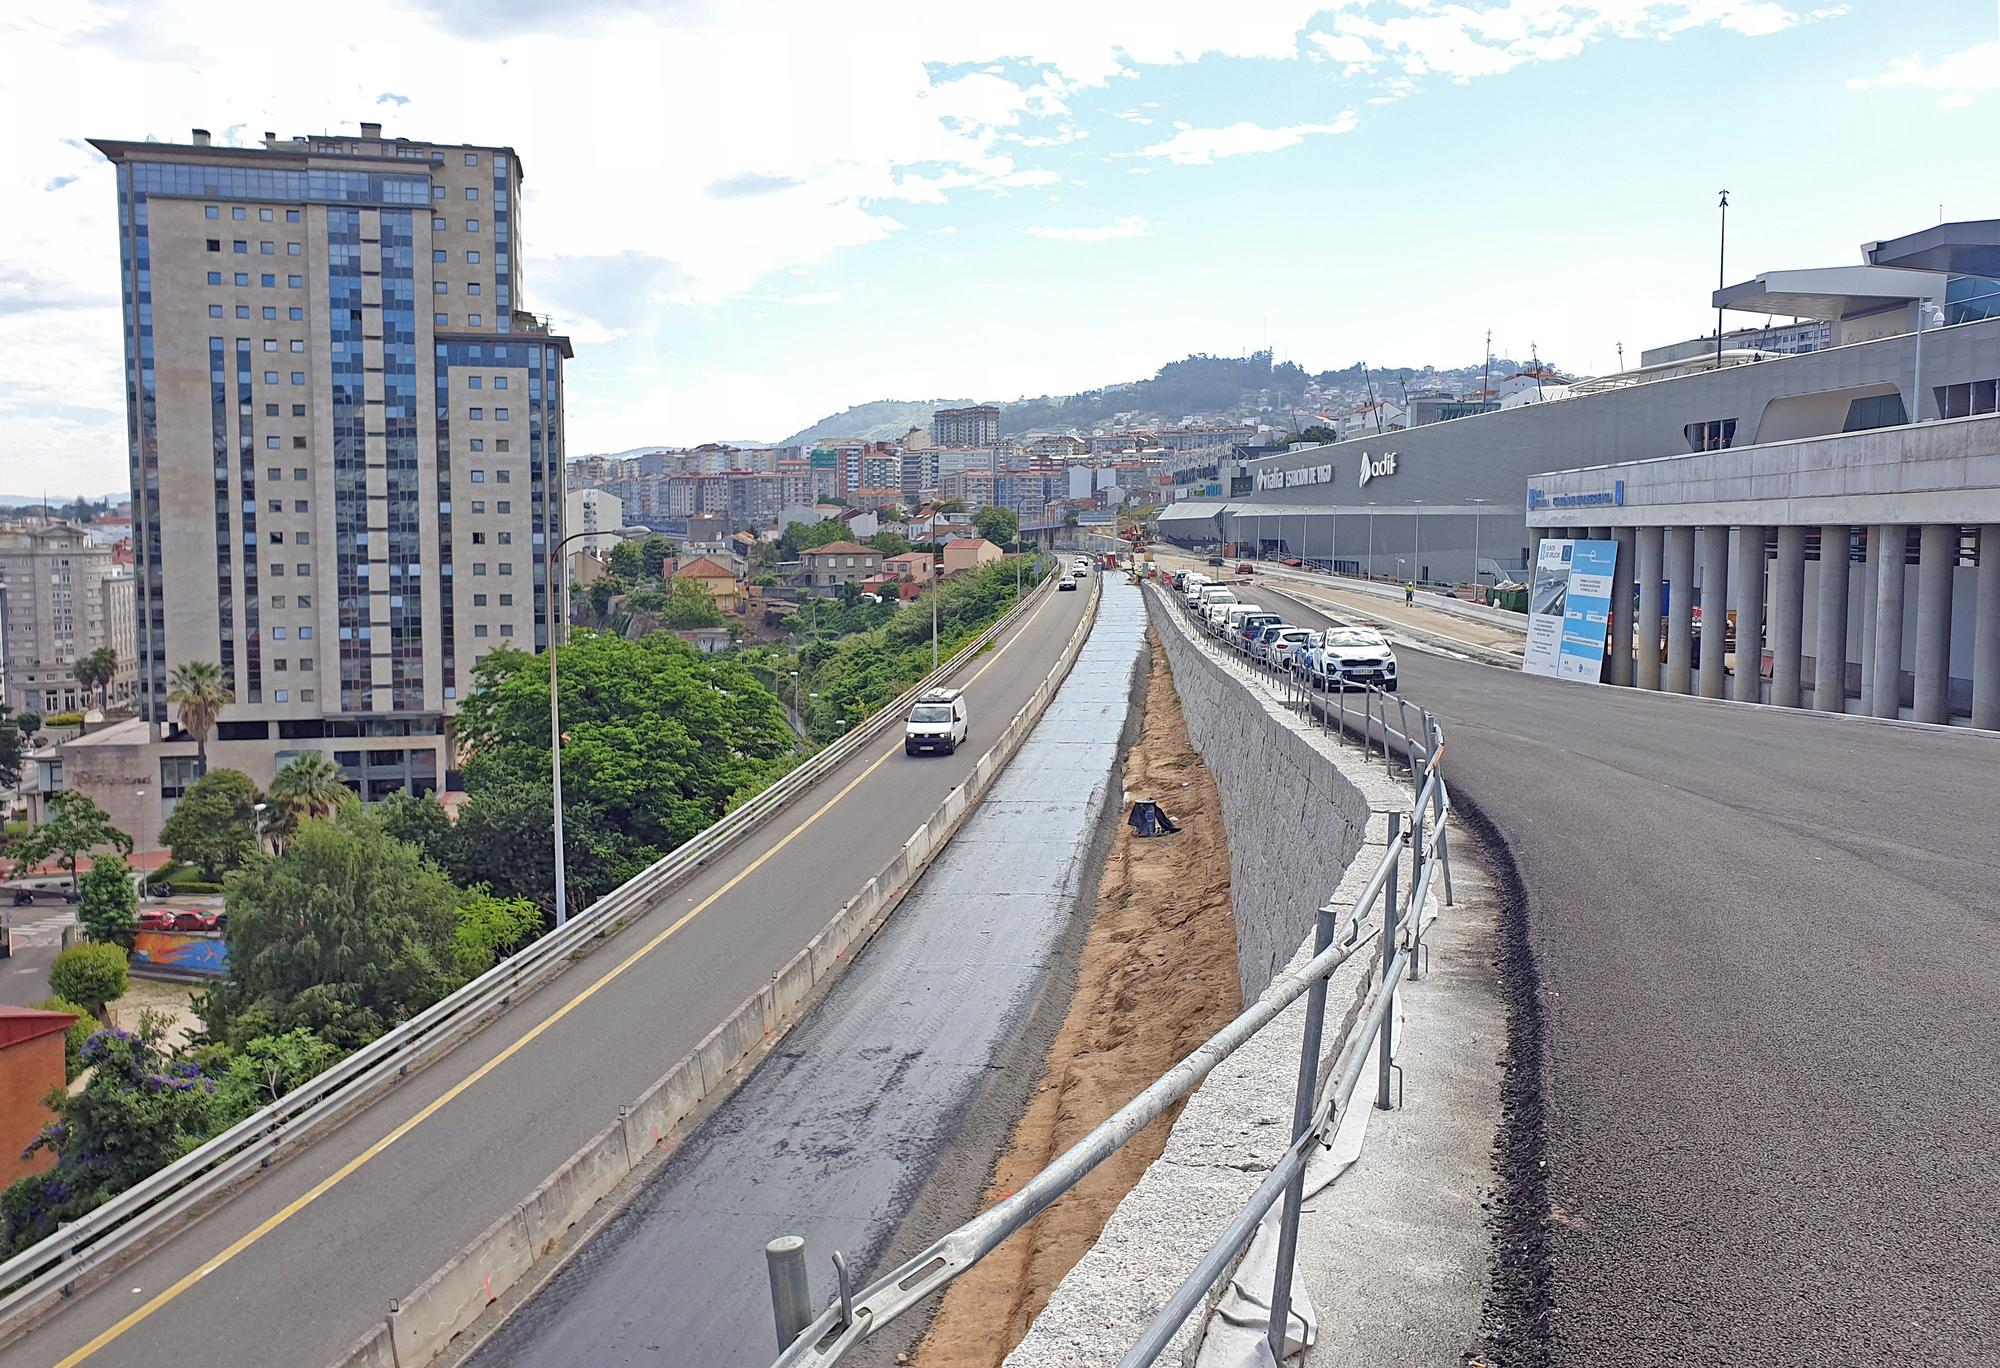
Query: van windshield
point(931, 712)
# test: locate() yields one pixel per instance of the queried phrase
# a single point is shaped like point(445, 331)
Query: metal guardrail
point(54, 1264)
point(806, 1341)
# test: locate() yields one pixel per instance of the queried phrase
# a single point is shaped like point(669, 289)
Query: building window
point(475, 414)
point(240, 247)
point(479, 539)
point(294, 281)
point(504, 506)
point(479, 600)
point(437, 224)
point(440, 320)
point(242, 310)
point(472, 159)
point(499, 382)
point(437, 192)
point(242, 277)
point(305, 634)
point(215, 311)
point(472, 258)
point(298, 345)
point(439, 287)
point(1967, 400)
point(502, 477)
point(439, 254)
point(472, 382)
point(269, 282)
point(305, 662)
point(270, 377)
point(473, 320)
point(472, 225)
point(282, 695)
point(263, 215)
point(472, 287)
point(479, 505)
point(472, 192)
point(215, 277)
point(270, 312)
point(506, 538)
point(501, 444)
point(214, 244)
point(479, 477)
point(479, 567)
point(506, 567)
point(298, 377)
point(293, 249)
point(477, 444)
point(499, 415)
point(300, 506)
point(296, 313)
point(267, 249)
point(291, 216)
point(506, 600)
point(211, 211)
point(479, 629)
point(506, 629)
point(270, 344)
point(1878, 411)
point(277, 634)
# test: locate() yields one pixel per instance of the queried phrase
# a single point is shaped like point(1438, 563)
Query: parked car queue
point(1334, 658)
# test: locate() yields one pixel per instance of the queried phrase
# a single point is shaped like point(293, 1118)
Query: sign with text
point(1569, 609)
point(1295, 477)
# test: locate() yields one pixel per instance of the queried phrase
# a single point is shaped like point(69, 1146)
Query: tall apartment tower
point(346, 439)
point(963, 427)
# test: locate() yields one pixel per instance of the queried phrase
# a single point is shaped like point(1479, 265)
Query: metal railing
point(1340, 933)
point(55, 1263)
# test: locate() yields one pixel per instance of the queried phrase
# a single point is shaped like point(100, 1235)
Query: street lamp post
point(145, 883)
point(559, 616)
point(1475, 538)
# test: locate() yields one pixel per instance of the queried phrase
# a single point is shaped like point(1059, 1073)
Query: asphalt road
point(276, 1276)
point(1767, 950)
point(24, 975)
point(833, 1135)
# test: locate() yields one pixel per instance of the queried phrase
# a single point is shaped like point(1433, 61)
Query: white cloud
point(1956, 78)
point(1124, 226)
point(1346, 47)
point(1199, 146)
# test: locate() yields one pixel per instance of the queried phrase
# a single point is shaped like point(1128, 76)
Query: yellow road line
point(326, 1184)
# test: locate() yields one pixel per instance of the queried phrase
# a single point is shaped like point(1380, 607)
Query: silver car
point(1289, 645)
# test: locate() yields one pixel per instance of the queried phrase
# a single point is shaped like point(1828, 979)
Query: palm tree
point(197, 689)
point(96, 671)
point(308, 786)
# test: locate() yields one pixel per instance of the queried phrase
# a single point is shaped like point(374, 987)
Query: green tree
point(801, 537)
point(602, 590)
point(489, 927)
point(197, 690)
point(309, 787)
point(659, 742)
point(93, 975)
point(890, 543)
point(627, 561)
point(689, 605)
point(998, 525)
point(265, 1069)
point(96, 671)
point(73, 825)
point(141, 1110)
point(654, 554)
point(1317, 434)
point(11, 732)
point(107, 904)
point(214, 825)
point(346, 934)
point(421, 821)
point(79, 1032)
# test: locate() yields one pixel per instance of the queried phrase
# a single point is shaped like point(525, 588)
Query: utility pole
point(1621, 356)
point(1369, 380)
point(1721, 257)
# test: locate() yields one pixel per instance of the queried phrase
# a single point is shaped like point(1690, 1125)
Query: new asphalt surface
point(290, 1272)
point(834, 1134)
point(1761, 951)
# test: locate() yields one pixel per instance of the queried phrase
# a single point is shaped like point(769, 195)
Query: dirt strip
point(1157, 977)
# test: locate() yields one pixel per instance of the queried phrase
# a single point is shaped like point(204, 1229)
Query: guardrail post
point(791, 1300)
point(1303, 1106)
point(1385, 1041)
point(1417, 817)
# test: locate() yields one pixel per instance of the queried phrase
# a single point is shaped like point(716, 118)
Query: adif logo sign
point(1384, 465)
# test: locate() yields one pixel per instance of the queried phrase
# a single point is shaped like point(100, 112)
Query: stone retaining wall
point(1294, 823)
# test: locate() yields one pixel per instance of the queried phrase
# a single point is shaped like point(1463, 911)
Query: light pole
point(937, 584)
point(145, 882)
point(795, 693)
point(1721, 258)
point(559, 604)
point(260, 809)
point(1475, 538)
point(1417, 547)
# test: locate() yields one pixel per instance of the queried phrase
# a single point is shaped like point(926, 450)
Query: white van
point(1230, 621)
point(1213, 599)
point(937, 722)
point(1192, 586)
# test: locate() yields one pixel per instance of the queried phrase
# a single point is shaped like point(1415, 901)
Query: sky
point(751, 213)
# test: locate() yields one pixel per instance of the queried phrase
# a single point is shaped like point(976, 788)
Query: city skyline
point(1034, 202)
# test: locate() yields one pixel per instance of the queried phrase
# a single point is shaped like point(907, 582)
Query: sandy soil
point(169, 997)
point(1157, 977)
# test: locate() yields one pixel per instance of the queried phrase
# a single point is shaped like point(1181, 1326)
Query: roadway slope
point(1768, 949)
point(834, 1134)
point(298, 1264)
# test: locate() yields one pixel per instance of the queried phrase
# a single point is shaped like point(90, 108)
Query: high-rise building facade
point(62, 596)
point(346, 438)
point(975, 426)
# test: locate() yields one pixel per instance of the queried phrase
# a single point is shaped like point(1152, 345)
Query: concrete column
point(1651, 544)
point(1934, 566)
point(1788, 606)
point(1620, 664)
point(1830, 651)
point(1886, 549)
point(1714, 607)
point(1748, 579)
point(1680, 636)
point(1986, 632)
point(1871, 573)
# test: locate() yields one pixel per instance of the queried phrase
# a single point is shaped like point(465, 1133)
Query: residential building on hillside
point(716, 580)
point(968, 553)
point(346, 447)
point(978, 425)
point(62, 596)
point(824, 569)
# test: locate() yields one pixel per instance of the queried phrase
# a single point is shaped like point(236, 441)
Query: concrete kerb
point(424, 1323)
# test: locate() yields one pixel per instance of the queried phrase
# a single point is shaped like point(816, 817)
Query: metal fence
point(53, 1265)
point(1410, 862)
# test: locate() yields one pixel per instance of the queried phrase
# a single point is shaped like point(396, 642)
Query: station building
point(1887, 441)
